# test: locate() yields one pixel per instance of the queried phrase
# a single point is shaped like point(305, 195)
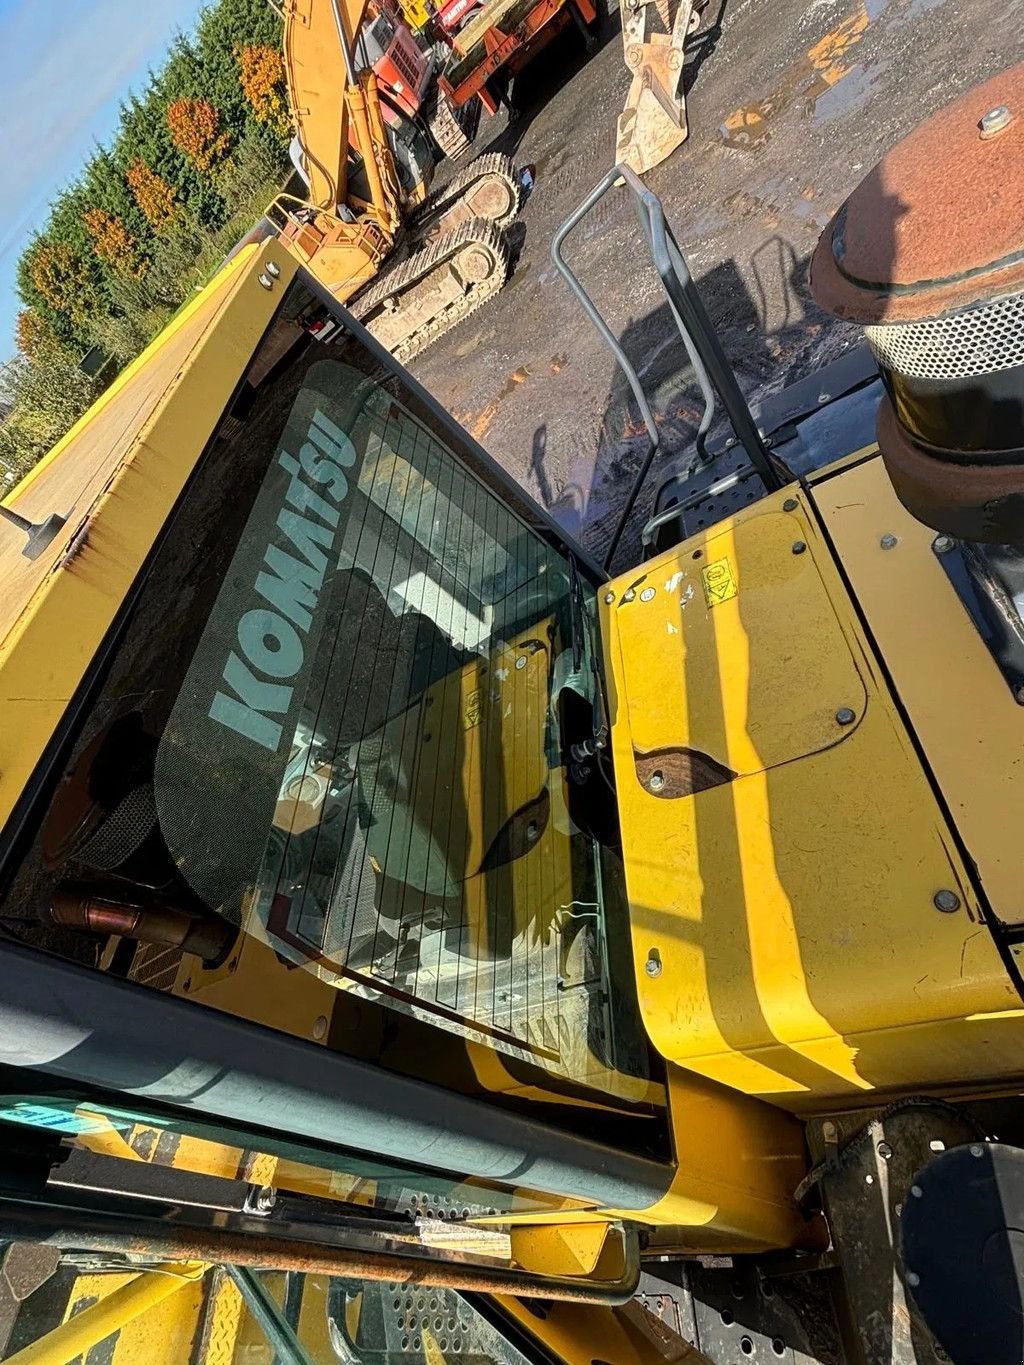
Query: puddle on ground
point(814, 79)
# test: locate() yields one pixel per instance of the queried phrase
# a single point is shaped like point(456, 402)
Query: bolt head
point(995, 120)
point(913, 1279)
point(265, 280)
point(845, 716)
point(320, 1028)
point(889, 541)
point(942, 544)
point(647, 594)
point(824, 398)
point(884, 1150)
point(917, 1191)
point(799, 547)
point(790, 505)
point(656, 781)
point(977, 1149)
point(273, 269)
point(629, 594)
point(609, 598)
point(522, 661)
point(653, 966)
point(946, 901)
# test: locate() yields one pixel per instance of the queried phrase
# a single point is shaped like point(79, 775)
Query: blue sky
point(65, 65)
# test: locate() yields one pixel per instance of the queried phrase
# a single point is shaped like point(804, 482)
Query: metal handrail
point(710, 365)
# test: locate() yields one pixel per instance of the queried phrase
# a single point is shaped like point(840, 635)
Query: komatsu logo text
point(272, 635)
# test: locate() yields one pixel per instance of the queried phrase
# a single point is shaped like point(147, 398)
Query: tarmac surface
point(790, 103)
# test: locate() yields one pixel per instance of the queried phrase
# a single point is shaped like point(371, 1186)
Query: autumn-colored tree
point(61, 276)
point(261, 72)
point(32, 333)
point(193, 126)
point(152, 194)
point(114, 243)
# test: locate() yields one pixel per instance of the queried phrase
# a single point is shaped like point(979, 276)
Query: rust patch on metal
point(679, 772)
point(901, 249)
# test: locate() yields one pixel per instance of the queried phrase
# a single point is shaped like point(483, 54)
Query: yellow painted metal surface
point(123, 473)
point(137, 1310)
point(222, 1320)
point(788, 910)
point(565, 1249)
point(738, 1161)
point(583, 1334)
point(959, 705)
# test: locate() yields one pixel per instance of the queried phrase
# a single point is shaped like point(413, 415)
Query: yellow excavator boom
point(326, 89)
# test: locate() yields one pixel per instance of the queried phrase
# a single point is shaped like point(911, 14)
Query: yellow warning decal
point(472, 712)
point(719, 582)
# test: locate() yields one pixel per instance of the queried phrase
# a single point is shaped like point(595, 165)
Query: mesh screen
point(978, 341)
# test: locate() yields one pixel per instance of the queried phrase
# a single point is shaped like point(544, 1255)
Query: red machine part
point(510, 50)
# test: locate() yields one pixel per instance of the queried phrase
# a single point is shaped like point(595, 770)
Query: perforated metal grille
point(976, 342)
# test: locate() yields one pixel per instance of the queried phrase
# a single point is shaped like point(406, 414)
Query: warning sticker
point(719, 582)
point(472, 711)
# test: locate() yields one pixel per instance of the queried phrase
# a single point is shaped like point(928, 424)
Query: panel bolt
point(653, 964)
point(609, 598)
point(884, 1150)
point(266, 1198)
point(266, 281)
point(942, 544)
point(272, 269)
point(888, 541)
point(845, 716)
point(946, 901)
point(995, 120)
point(522, 661)
point(799, 547)
point(824, 397)
point(790, 505)
point(912, 1279)
point(320, 1028)
point(647, 594)
point(977, 1149)
point(656, 780)
point(917, 1191)
point(628, 595)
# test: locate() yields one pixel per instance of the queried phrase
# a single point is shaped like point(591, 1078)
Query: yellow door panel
point(785, 934)
point(733, 651)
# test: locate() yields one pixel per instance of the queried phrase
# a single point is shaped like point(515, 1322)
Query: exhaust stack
point(928, 255)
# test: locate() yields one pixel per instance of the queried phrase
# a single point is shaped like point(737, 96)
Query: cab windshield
point(335, 723)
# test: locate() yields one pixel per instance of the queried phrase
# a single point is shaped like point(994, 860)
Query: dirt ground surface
point(790, 103)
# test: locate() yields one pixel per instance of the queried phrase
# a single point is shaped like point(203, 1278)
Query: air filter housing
point(928, 254)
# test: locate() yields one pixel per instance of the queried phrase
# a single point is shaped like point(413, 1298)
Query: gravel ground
point(834, 84)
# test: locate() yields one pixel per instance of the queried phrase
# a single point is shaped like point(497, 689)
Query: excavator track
point(487, 188)
point(452, 129)
point(421, 297)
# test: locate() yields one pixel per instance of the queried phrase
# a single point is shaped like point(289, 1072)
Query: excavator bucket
point(653, 123)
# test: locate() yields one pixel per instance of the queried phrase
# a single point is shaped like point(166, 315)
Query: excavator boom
point(326, 89)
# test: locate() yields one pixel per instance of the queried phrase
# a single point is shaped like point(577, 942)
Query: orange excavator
point(407, 265)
